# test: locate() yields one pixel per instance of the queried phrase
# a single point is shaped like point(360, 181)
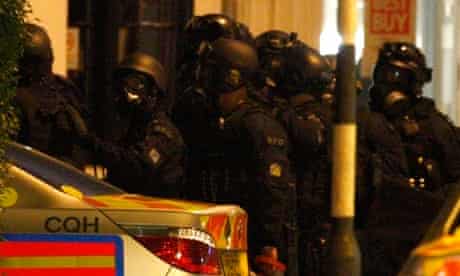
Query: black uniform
point(51, 113)
point(191, 112)
point(253, 159)
point(434, 151)
point(146, 153)
point(192, 115)
point(257, 176)
point(297, 79)
point(430, 139)
point(147, 159)
point(405, 201)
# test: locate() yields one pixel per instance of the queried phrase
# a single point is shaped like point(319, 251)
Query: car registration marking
point(235, 263)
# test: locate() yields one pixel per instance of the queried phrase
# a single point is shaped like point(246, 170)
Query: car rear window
point(56, 173)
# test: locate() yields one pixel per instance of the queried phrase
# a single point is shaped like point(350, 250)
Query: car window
point(56, 173)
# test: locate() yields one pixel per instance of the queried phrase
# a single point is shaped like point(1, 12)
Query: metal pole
point(344, 257)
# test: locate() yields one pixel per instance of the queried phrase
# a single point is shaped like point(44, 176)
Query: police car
point(439, 252)
point(55, 220)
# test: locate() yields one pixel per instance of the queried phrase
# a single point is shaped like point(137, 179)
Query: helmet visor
point(393, 75)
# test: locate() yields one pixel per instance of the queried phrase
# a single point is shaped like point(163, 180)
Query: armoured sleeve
point(152, 166)
point(273, 198)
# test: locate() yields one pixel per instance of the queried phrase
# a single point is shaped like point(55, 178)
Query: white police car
point(55, 220)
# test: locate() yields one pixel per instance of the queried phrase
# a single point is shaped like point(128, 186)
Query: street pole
point(343, 255)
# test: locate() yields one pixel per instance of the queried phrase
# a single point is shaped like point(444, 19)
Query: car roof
point(56, 172)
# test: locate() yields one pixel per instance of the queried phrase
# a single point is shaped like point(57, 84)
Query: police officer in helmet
point(269, 47)
point(430, 138)
point(398, 78)
point(304, 82)
point(207, 27)
point(52, 114)
point(191, 111)
point(417, 157)
point(255, 168)
point(146, 154)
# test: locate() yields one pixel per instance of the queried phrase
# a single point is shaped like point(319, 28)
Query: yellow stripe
point(343, 170)
point(62, 262)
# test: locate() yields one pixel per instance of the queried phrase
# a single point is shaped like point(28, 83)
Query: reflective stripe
point(61, 254)
point(58, 272)
point(58, 262)
point(24, 249)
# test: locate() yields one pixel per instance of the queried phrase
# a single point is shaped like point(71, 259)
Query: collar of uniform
point(300, 99)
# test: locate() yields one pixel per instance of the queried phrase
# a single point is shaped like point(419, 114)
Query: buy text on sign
point(390, 16)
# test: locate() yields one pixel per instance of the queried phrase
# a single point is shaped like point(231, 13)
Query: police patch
point(154, 155)
point(275, 141)
point(275, 170)
point(233, 77)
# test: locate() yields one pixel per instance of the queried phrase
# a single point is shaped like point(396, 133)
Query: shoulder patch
point(275, 169)
point(154, 155)
point(275, 141)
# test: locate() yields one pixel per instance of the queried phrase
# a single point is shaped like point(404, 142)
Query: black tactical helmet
point(226, 65)
point(147, 65)
point(269, 49)
point(401, 63)
point(37, 45)
point(305, 69)
point(209, 27)
point(274, 41)
point(244, 34)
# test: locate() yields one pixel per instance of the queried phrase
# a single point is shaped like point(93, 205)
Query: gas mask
point(137, 92)
point(394, 88)
point(391, 100)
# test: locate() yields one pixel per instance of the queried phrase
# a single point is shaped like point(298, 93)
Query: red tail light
point(185, 249)
point(189, 255)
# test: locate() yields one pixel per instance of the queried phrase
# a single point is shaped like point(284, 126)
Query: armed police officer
point(414, 160)
point(146, 154)
point(191, 112)
point(430, 139)
point(254, 170)
point(51, 108)
point(298, 82)
point(207, 27)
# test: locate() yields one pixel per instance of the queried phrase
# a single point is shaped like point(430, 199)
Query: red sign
point(386, 20)
point(390, 17)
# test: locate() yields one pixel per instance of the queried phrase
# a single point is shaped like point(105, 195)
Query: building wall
point(301, 16)
point(201, 7)
point(52, 15)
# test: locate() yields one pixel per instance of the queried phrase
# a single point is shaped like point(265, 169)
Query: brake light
point(188, 249)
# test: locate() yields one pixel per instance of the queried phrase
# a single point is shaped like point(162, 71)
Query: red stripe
point(23, 249)
point(58, 272)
